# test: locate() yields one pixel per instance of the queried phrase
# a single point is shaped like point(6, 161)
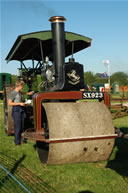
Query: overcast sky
point(106, 22)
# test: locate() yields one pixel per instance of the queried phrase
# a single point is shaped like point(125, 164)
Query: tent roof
point(27, 46)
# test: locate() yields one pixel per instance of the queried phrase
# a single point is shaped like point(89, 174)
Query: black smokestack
point(58, 38)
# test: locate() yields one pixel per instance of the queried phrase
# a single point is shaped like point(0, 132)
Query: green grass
point(121, 94)
point(101, 177)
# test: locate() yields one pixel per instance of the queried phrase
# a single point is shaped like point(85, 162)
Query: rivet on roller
point(85, 149)
point(96, 149)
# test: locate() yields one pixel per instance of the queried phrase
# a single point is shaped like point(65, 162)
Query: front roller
point(78, 132)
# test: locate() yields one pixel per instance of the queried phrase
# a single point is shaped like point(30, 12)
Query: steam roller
point(70, 123)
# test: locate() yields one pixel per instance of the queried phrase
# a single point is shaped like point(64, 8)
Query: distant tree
point(89, 78)
point(101, 80)
point(14, 78)
point(97, 75)
point(120, 77)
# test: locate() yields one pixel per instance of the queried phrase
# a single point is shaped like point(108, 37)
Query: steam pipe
point(58, 40)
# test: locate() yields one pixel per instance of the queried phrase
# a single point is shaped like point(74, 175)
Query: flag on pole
point(104, 75)
point(106, 63)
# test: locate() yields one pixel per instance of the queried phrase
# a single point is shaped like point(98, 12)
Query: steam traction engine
point(66, 130)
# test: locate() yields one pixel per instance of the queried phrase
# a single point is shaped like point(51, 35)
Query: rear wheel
point(8, 121)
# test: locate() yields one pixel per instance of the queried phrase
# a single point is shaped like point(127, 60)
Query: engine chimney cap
point(57, 19)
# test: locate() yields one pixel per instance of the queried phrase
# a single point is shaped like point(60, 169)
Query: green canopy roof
point(27, 46)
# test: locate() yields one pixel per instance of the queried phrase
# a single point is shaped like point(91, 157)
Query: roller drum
point(72, 120)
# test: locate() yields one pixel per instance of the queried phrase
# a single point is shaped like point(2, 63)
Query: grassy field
point(103, 177)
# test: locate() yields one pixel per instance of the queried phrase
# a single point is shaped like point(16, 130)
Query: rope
point(15, 179)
